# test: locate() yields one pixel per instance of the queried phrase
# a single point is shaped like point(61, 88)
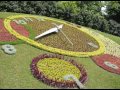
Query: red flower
point(6, 36)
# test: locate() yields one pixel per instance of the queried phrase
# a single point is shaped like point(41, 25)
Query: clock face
point(82, 41)
point(79, 39)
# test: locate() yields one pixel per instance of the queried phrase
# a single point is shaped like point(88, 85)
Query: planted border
point(6, 37)
point(61, 84)
point(55, 50)
point(101, 59)
point(111, 47)
point(57, 40)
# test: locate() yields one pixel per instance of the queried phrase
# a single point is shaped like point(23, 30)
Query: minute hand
point(64, 34)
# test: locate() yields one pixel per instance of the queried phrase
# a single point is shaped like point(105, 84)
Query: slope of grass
point(15, 69)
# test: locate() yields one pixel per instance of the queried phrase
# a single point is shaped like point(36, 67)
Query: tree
point(94, 6)
point(113, 10)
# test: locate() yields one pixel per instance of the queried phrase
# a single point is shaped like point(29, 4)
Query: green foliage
point(114, 28)
point(90, 5)
point(90, 19)
point(86, 13)
point(113, 10)
point(68, 5)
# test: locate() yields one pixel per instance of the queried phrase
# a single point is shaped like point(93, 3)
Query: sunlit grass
point(15, 69)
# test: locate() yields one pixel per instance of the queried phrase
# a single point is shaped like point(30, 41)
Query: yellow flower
point(55, 50)
point(55, 68)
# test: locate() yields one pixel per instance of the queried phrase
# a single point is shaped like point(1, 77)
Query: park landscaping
point(5, 36)
point(57, 41)
point(20, 62)
point(51, 69)
point(52, 49)
point(113, 62)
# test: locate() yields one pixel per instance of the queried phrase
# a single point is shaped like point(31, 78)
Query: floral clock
point(83, 43)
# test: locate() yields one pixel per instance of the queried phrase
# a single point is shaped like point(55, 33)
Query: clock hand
point(52, 30)
point(63, 33)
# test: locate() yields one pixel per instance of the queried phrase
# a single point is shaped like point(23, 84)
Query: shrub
point(114, 27)
point(90, 19)
point(79, 12)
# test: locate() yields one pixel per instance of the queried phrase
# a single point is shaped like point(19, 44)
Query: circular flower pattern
point(111, 47)
point(52, 68)
point(56, 68)
point(49, 48)
point(108, 62)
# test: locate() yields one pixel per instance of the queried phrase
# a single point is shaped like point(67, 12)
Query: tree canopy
point(86, 13)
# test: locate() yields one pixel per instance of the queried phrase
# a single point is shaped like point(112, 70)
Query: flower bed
point(52, 49)
point(57, 40)
point(108, 62)
point(5, 36)
point(111, 47)
point(52, 68)
point(20, 29)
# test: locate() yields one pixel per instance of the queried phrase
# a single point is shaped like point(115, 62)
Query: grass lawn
point(15, 69)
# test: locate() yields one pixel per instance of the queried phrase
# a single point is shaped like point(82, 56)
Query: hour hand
point(52, 30)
